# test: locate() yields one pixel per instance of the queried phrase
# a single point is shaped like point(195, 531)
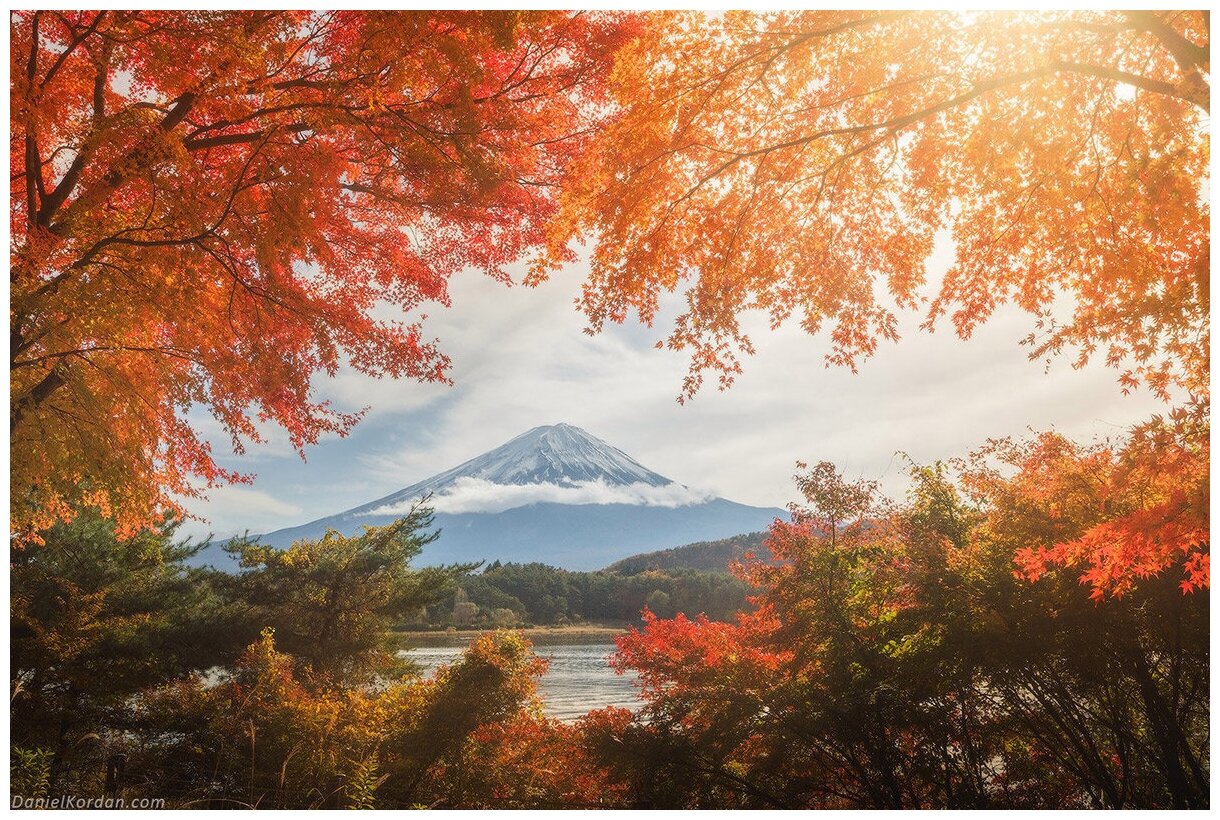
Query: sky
point(521, 359)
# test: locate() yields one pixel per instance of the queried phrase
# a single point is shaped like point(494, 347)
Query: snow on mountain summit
point(557, 463)
point(557, 454)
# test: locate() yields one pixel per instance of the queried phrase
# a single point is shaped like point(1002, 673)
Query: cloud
point(468, 495)
point(232, 510)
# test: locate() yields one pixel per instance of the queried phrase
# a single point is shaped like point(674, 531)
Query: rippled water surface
point(578, 679)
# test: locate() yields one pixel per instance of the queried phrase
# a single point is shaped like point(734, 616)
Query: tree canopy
point(332, 601)
point(215, 231)
point(802, 164)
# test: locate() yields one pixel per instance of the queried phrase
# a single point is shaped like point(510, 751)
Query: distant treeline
point(712, 556)
point(518, 594)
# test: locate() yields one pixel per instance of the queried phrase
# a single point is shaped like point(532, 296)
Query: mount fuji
point(554, 494)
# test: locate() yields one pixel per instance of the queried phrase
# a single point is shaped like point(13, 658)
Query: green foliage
point(710, 556)
point(362, 785)
point(116, 640)
point(29, 771)
point(544, 595)
point(332, 601)
point(95, 620)
point(659, 603)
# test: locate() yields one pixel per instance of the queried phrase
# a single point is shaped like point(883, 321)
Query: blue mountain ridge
point(561, 473)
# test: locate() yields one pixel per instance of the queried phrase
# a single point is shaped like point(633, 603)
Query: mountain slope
point(554, 494)
point(710, 556)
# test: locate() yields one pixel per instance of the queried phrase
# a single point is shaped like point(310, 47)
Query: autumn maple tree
point(801, 164)
point(1032, 632)
point(894, 659)
point(207, 208)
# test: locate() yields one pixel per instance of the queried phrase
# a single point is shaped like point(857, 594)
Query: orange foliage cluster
point(471, 735)
point(698, 653)
point(1121, 513)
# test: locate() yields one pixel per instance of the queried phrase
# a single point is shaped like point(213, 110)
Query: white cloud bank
point(232, 510)
point(476, 495)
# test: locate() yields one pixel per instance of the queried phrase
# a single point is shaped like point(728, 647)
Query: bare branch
point(239, 139)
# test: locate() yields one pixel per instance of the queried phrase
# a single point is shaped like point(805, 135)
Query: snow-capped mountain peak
point(556, 454)
point(557, 463)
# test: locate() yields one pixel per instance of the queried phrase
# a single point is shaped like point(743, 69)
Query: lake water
point(577, 680)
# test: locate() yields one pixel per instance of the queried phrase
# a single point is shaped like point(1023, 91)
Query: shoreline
point(538, 635)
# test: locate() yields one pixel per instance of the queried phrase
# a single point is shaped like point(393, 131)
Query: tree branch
point(33, 161)
point(36, 396)
point(34, 189)
point(67, 52)
point(31, 65)
point(56, 199)
point(99, 89)
point(53, 201)
point(1190, 94)
point(896, 124)
point(1186, 54)
point(238, 139)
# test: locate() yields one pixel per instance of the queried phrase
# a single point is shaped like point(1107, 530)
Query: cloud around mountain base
point(476, 495)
